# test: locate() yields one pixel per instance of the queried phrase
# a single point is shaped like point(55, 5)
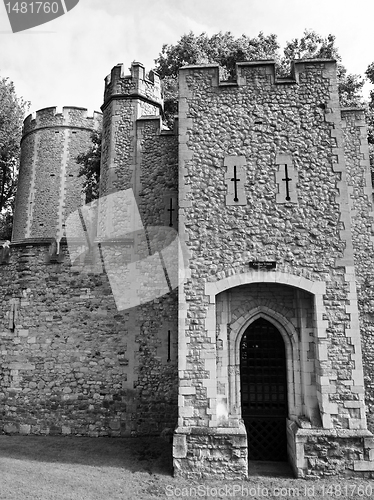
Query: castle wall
point(138, 156)
point(74, 358)
point(257, 120)
point(71, 363)
point(360, 199)
point(240, 205)
point(49, 188)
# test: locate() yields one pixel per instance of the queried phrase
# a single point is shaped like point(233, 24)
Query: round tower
point(49, 188)
point(127, 98)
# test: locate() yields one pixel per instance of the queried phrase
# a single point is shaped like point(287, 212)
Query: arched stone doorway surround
point(225, 404)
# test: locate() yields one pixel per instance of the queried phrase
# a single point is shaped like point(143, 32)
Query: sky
point(64, 62)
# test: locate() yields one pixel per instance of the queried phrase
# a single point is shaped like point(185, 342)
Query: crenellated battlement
point(138, 83)
point(68, 116)
point(260, 72)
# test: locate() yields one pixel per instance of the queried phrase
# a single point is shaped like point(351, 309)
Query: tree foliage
point(221, 48)
point(313, 46)
point(12, 112)
point(6, 226)
point(370, 116)
point(90, 167)
point(226, 50)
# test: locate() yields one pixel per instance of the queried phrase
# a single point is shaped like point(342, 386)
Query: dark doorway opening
point(263, 380)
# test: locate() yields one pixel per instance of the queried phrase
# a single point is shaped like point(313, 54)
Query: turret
point(126, 99)
point(49, 188)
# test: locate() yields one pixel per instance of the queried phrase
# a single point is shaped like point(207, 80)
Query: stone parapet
point(68, 116)
point(261, 73)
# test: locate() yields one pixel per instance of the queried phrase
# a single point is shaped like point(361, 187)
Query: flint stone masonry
point(74, 364)
point(268, 121)
point(328, 453)
point(360, 199)
point(216, 453)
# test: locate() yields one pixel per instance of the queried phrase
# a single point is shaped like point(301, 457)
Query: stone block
point(356, 423)
point(179, 446)
point(22, 332)
point(369, 443)
point(186, 411)
point(115, 425)
point(187, 390)
point(358, 389)
point(21, 366)
point(353, 404)
point(363, 465)
point(208, 354)
point(11, 428)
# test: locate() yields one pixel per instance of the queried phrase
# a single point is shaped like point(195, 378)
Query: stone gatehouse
point(266, 348)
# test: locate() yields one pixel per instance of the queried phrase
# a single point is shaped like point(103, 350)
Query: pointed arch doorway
point(263, 384)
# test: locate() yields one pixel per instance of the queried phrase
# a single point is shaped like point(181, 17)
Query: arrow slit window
point(286, 179)
point(235, 178)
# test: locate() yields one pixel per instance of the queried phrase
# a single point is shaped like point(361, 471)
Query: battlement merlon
point(137, 84)
point(258, 72)
point(355, 114)
point(68, 116)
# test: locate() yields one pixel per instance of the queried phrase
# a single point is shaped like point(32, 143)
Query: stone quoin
point(266, 349)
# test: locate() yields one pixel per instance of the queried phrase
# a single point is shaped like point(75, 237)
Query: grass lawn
point(72, 468)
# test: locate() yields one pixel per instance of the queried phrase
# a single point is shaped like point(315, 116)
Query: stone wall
point(286, 202)
point(259, 119)
point(360, 198)
point(71, 363)
point(324, 453)
point(75, 357)
point(198, 452)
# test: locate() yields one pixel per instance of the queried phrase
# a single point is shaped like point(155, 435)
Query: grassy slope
point(65, 468)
